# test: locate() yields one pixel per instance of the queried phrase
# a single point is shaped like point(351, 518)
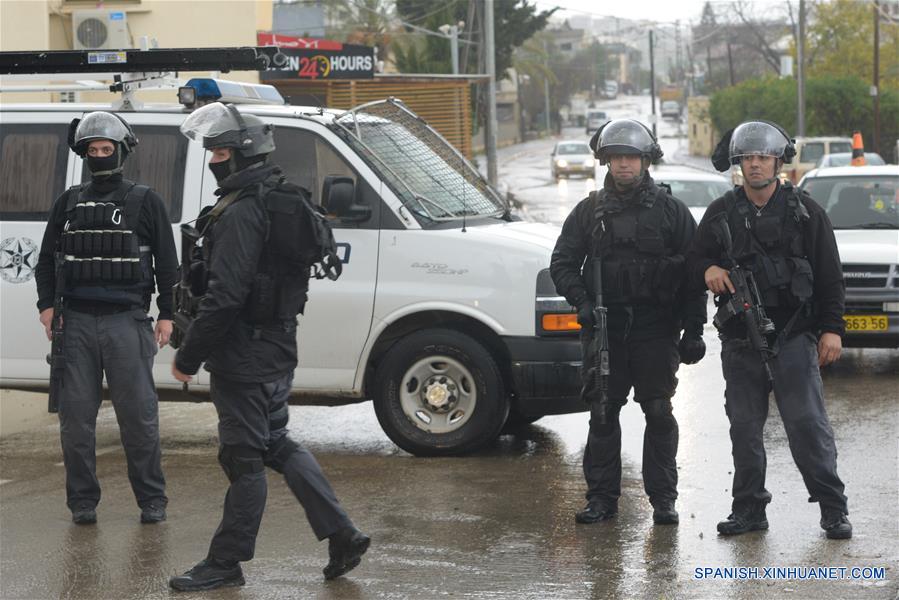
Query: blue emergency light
point(199, 91)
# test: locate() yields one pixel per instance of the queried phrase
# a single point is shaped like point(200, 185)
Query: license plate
point(866, 322)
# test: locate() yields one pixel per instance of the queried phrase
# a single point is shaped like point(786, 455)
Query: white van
point(444, 312)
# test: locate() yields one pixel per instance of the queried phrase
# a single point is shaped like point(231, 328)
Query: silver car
point(572, 157)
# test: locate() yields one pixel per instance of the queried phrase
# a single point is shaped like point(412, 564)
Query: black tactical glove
point(691, 347)
point(585, 315)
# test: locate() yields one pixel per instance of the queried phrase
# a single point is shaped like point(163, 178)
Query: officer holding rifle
point(768, 253)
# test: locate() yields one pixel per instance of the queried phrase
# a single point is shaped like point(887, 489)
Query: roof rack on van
point(134, 69)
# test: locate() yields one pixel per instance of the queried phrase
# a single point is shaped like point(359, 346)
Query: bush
point(833, 106)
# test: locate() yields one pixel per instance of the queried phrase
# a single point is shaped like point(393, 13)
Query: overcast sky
point(656, 10)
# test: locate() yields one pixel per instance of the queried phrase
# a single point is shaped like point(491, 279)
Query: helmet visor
point(209, 122)
point(757, 139)
point(101, 125)
point(625, 136)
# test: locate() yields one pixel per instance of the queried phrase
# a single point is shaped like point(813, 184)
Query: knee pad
point(237, 461)
point(659, 416)
point(280, 452)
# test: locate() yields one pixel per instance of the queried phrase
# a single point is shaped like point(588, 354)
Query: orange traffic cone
point(858, 150)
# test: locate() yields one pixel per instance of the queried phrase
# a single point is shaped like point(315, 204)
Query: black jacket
point(576, 244)
point(821, 251)
point(153, 225)
point(220, 336)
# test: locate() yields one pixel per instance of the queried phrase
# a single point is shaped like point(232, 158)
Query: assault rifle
point(596, 386)
point(57, 359)
point(745, 301)
point(190, 287)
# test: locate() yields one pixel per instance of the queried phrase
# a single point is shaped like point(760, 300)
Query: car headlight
point(589, 162)
point(561, 162)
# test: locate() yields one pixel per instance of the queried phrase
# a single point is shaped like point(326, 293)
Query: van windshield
point(430, 177)
point(853, 202)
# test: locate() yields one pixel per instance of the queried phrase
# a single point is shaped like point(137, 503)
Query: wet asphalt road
point(495, 525)
point(498, 524)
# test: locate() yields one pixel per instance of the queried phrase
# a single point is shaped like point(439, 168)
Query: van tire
point(455, 369)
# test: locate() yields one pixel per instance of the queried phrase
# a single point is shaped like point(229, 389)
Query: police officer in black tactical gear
point(249, 346)
point(110, 237)
point(786, 240)
point(640, 233)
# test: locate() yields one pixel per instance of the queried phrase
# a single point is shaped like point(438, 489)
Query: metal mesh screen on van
point(431, 177)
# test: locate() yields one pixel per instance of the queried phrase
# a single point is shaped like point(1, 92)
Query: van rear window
point(32, 168)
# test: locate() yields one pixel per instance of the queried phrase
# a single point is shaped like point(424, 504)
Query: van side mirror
point(339, 199)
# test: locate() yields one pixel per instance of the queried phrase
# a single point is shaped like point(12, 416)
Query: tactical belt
point(90, 307)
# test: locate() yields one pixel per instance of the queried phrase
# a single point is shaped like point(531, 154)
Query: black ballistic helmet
point(101, 125)
point(624, 136)
point(218, 125)
point(753, 138)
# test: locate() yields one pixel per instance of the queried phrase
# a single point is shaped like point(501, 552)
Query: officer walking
point(115, 237)
point(245, 331)
point(640, 233)
point(786, 240)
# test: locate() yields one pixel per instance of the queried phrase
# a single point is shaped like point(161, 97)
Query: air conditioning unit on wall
point(100, 29)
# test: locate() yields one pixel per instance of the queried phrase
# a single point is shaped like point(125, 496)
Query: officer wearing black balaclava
point(246, 333)
point(115, 242)
point(786, 240)
point(640, 233)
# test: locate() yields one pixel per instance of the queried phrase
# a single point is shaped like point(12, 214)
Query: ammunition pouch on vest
point(105, 260)
point(773, 248)
point(638, 266)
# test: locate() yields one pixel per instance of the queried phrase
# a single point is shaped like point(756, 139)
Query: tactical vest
point(772, 246)
point(299, 244)
point(105, 260)
point(639, 266)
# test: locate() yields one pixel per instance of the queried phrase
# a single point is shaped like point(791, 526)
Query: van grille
point(867, 276)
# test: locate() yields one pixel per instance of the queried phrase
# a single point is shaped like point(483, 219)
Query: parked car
point(595, 120)
point(809, 150)
point(694, 187)
point(449, 334)
point(670, 109)
point(863, 205)
point(572, 157)
point(843, 159)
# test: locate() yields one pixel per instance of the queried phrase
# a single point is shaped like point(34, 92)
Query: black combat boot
point(152, 513)
point(597, 510)
point(84, 513)
point(663, 513)
point(835, 523)
point(208, 574)
point(748, 517)
point(345, 550)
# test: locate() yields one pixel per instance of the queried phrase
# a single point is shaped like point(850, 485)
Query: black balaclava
point(102, 167)
point(237, 162)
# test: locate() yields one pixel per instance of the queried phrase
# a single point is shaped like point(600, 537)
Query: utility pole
point(454, 47)
point(730, 64)
point(800, 72)
point(490, 133)
point(652, 84)
point(546, 89)
point(875, 90)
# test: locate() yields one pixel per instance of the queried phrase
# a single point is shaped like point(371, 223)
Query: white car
point(694, 187)
point(863, 206)
point(572, 157)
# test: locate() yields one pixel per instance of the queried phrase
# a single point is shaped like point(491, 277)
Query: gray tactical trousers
point(122, 346)
point(799, 393)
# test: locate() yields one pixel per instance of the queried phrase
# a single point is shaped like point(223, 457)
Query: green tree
point(834, 106)
point(841, 42)
point(366, 22)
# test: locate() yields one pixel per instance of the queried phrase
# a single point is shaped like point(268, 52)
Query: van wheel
point(438, 392)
